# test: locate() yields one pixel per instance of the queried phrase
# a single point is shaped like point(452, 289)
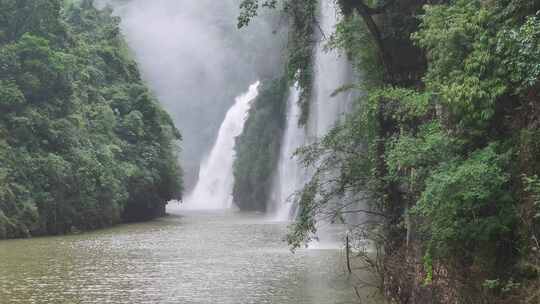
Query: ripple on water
point(194, 258)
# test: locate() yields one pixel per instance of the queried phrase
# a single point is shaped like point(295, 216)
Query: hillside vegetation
point(83, 143)
point(257, 148)
point(444, 146)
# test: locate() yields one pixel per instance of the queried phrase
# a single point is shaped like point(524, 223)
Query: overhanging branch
point(367, 12)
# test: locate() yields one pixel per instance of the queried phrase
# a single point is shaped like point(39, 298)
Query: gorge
point(270, 151)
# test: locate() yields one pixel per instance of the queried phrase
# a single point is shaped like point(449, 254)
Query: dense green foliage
point(444, 144)
point(83, 144)
point(257, 148)
point(445, 151)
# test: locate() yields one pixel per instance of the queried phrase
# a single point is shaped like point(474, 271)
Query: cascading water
point(214, 188)
point(331, 72)
point(196, 61)
point(290, 175)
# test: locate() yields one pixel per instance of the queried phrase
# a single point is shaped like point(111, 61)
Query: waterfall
point(214, 187)
point(195, 60)
point(290, 175)
point(331, 71)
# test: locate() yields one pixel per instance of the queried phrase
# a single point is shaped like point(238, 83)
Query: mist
point(196, 61)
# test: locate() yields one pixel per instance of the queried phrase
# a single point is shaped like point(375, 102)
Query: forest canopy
point(443, 144)
point(83, 142)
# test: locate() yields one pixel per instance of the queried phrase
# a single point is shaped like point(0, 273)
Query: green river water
point(192, 257)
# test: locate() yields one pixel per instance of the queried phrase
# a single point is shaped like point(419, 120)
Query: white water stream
point(214, 188)
point(332, 71)
point(290, 175)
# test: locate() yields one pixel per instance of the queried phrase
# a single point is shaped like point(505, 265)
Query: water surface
point(184, 258)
